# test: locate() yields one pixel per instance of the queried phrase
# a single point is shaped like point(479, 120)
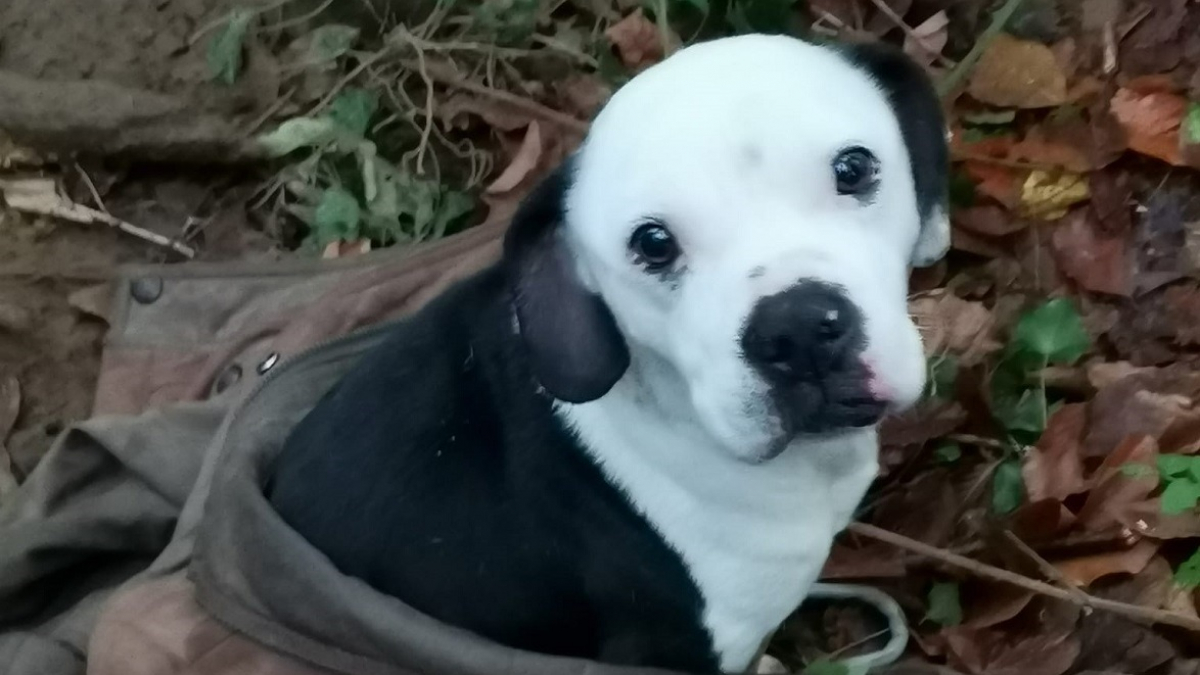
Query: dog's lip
point(860, 411)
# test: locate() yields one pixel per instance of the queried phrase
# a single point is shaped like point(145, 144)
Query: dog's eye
point(855, 170)
point(654, 246)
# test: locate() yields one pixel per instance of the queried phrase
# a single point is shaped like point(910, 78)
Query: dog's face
point(739, 226)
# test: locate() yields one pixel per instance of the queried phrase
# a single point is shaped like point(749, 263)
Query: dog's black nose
point(803, 332)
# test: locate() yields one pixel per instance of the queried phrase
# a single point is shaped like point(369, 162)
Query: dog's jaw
point(754, 536)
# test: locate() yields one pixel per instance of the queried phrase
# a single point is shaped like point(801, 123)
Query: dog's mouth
point(836, 402)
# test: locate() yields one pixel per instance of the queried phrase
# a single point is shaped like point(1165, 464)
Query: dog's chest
point(753, 537)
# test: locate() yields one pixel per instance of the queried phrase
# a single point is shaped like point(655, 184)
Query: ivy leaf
point(945, 608)
point(1136, 470)
point(1188, 574)
point(296, 133)
point(225, 49)
point(1008, 488)
point(1053, 332)
point(327, 43)
point(451, 208)
point(337, 216)
point(1178, 466)
point(1191, 124)
point(943, 373)
point(948, 453)
point(353, 109)
point(1180, 496)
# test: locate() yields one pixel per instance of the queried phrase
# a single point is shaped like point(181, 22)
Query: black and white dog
point(635, 437)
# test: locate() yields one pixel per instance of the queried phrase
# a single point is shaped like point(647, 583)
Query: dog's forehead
point(739, 93)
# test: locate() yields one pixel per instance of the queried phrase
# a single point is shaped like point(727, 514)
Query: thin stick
point(87, 180)
point(999, 20)
point(899, 21)
point(61, 207)
point(1133, 612)
point(1050, 571)
point(521, 103)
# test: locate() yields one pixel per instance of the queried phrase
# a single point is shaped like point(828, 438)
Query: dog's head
point(734, 239)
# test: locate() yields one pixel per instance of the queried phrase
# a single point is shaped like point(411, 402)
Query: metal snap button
point(268, 363)
point(146, 289)
point(228, 377)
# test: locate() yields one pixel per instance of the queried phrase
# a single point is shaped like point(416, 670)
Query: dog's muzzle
point(807, 342)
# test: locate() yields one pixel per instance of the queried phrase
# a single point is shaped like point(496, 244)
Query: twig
point(519, 102)
point(999, 20)
point(1049, 571)
point(899, 22)
point(87, 180)
point(36, 197)
point(1132, 612)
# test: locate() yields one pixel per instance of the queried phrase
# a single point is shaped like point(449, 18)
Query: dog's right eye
point(654, 246)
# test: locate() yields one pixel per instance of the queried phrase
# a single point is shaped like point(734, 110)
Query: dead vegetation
point(1037, 514)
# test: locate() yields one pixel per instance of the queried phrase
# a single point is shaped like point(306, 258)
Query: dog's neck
point(753, 536)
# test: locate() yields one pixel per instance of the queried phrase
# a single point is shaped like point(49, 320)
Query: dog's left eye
point(654, 246)
point(856, 171)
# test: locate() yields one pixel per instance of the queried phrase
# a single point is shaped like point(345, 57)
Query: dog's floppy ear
point(916, 105)
point(575, 348)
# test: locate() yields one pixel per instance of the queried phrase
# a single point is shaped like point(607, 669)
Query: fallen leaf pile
point(1059, 438)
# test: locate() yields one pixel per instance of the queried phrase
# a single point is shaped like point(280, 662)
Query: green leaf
point(451, 208)
point(327, 43)
point(225, 49)
point(943, 373)
point(1175, 466)
point(827, 667)
point(1053, 332)
point(337, 217)
point(1191, 124)
point(1188, 574)
point(1180, 496)
point(300, 132)
point(962, 190)
point(948, 453)
point(944, 605)
point(353, 109)
point(1008, 488)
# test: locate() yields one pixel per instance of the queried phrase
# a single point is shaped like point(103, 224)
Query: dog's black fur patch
point(916, 105)
point(436, 472)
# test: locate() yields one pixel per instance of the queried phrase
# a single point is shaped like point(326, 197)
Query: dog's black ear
point(575, 348)
point(915, 102)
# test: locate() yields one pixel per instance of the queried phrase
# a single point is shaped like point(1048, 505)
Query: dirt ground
point(52, 273)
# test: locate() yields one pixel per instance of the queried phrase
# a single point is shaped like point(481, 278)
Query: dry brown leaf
point(1040, 521)
point(1003, 652)
point(922, 423)
point(988, 221)
point(1098, 262)
point(525, 162)
point(1053, 469)
point(582, 94)
point(345, 249)
point(998, 182)
point(638, 41)
point(991, 604)
point(499, 115)
point(1015, 73)
point(932, 34)
point(1147, 403)
point(1048, 196)
point(1082, 571)
point(1117, 491)
point(1152, 121)
point(948, 323)
point(1035, 148)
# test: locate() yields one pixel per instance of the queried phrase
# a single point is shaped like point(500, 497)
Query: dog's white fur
point(730, 144)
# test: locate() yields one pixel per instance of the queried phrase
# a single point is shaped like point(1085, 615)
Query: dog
point(634, 438)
